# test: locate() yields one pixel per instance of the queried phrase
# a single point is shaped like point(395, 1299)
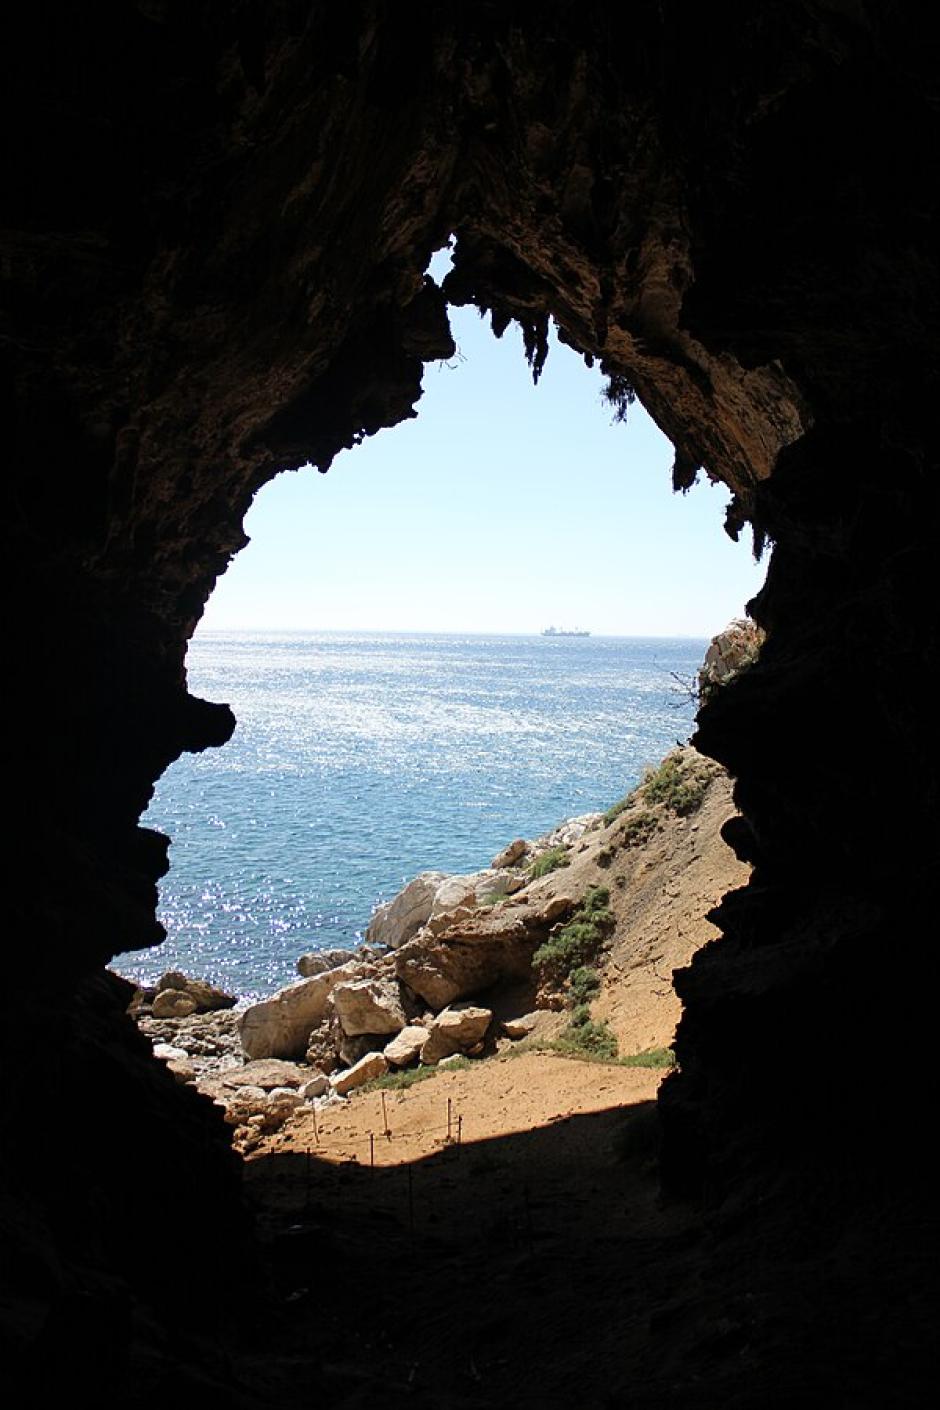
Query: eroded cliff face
point(218, 218)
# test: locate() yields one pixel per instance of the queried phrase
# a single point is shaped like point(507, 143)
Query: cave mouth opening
point(364, 756)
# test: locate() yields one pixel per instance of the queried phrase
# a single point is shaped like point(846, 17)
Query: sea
point(360, 759)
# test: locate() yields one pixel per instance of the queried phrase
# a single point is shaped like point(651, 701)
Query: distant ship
point(557, 631)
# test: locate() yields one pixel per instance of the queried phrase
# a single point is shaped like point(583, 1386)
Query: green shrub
point(577, 943)
point(638, 828)
point(585, 1038)
point(551, 860)
point(679, 786)
point(653, 1057)
point(583, 982)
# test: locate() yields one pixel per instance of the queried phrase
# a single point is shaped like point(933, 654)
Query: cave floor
point(528, 1264)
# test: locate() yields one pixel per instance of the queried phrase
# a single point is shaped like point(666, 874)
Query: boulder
point(266, 1074)
point(455, 892)
point(315, 1087)
point(397, 920)
point(467, 957)
point(319, 961)
point(173, 1003)
point(491, 885)
point(456, 1030)
point(519, 1027)
point(365, 1070)
point(206, 996)
point(407, 1046)
point(168, 1053)
point(369, 1006)
point(571, 830)
point(280, 1026)
point(511, 854)
point(322, 1046)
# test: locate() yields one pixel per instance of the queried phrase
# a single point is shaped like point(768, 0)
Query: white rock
point(369, 1006)
point(455, 1030)
point(454, 892)
point(491, 885)
point(406, 1047)
point(316, 1087)
point(397, 920)
point(285, 1096)
point(280, 1026)
point(167, 1053)
point(368, 1067)
point(519, 1027)
point(452, 1060)
point(570, 830)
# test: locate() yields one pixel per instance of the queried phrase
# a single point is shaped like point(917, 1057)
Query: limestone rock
point(369, 1006)
point(571, 830)
point(168, 1053)
point(406, 1047)
point(729, 653)
point(456, 1030)
point(319, 961)
point(519, 1027)
point(511, 854)
point(266, 1074)
point(323, 1046)
point(368, 1067)
point(280, 1026)
point(206, 996)
point(397, 920)
point(466, 957)
point(455, 892)
point(315, 1087)
point(173, 1003)
point(491, 885)
point(452, 1060)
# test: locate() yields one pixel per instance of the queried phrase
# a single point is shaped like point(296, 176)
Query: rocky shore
point(533, 947)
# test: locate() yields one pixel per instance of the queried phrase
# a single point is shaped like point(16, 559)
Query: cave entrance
point(399, 708)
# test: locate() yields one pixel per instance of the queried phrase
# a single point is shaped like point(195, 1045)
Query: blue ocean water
point(361, 759)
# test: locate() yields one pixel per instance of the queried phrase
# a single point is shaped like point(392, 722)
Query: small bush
point(653, 1057)
point(638, 828)
point(585, 1038)
point(679, 787)
point(551, 860)
point(583, 982)
point(577, 943)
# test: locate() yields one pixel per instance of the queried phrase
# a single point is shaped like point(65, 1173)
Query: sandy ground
point(497, 1097)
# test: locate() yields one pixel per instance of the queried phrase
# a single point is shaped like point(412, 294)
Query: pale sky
point(503, 507)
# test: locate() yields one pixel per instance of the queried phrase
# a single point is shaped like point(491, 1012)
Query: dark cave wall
point(217, 221)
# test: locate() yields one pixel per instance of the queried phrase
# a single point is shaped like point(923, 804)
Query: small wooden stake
point(388, 1134)
point(372, 1150)
point(448, 1117)
point(459, 1129)
point(316, 1132)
